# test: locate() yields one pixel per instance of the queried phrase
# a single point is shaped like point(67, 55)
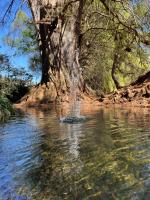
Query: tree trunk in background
point(116, 59)
point(116, 62)
point(58, 28)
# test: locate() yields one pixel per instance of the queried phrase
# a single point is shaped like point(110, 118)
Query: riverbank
point(137, 94)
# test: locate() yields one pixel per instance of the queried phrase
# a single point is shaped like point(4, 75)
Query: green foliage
point(14, 83)
point(25, 40)
point(4, 63)
point(13, 89)
point(6, 109)
point(107, 30)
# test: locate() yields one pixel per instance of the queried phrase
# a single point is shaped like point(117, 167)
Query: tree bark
point(116, 62)
point(116, 59)
point(58, 28)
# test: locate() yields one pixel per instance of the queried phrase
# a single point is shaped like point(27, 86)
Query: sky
point(4, 30)
point(16, 61)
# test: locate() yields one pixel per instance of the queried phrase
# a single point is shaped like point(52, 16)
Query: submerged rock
point(72, 119)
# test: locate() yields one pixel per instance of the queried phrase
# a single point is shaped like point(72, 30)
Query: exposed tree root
point(136, 94)
point(45, 94)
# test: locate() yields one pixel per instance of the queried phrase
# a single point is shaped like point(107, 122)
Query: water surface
point(106, 157)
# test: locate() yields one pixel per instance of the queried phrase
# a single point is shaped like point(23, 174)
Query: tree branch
point(129, 28)
point(8, 10)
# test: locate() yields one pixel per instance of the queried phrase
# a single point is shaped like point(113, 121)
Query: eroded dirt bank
point(136, 94)
point(47, 95)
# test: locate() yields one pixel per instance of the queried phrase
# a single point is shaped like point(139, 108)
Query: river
point(105, 157)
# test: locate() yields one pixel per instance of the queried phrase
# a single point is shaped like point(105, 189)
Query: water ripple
point(106, 157)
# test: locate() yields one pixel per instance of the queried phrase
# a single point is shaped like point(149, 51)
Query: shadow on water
point(104, 158)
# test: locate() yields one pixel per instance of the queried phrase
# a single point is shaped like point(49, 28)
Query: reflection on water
point(105, 158)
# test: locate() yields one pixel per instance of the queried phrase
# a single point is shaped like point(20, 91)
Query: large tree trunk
point(58, 27)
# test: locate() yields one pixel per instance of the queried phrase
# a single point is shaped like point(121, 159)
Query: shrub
point(5, 108)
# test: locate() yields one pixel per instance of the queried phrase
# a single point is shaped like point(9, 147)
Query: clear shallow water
point(106, 157)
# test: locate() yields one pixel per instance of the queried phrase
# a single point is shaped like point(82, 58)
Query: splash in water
point(74, 115)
